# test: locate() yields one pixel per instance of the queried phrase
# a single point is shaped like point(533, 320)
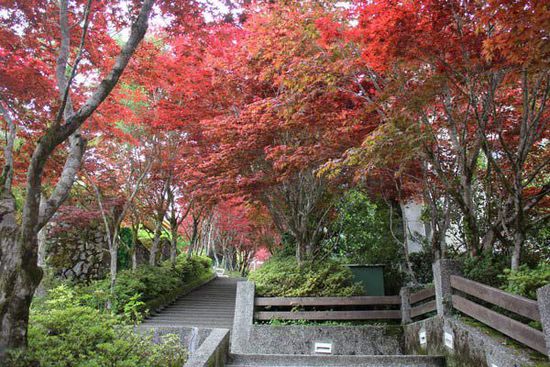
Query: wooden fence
point(422, 302)
point(329, 302)
point(510, 327)
point(343, 308)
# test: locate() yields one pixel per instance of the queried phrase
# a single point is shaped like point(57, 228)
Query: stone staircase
point(284, 360)
point(210, 306)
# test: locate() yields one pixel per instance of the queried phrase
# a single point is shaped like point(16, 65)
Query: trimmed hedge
point(281, 276)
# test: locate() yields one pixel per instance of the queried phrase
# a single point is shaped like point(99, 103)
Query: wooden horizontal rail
point(329, 315)
point(511, 302)
point(422, 295)
point(514, 329)
point(423, 308)
point(328, 301)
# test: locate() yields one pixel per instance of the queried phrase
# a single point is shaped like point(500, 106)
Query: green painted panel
point(371, 276)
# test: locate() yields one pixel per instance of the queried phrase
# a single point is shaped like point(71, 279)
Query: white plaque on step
point(449, 340)
point(422, 337)
point(323, 348)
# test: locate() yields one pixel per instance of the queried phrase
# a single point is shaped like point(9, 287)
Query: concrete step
point(279, 360)
point(206, 325)
point(199, 303)
point(198, 311)
point(191, 319)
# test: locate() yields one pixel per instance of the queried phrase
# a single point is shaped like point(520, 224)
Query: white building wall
point(415, 227)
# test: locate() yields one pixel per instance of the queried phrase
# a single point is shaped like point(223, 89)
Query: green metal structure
point(371, 276)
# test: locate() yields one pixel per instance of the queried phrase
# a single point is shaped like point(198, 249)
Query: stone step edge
point(301, 358)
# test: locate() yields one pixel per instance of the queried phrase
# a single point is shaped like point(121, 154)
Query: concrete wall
point(470, 345)
point(190, 337)
point(345, 340)
point(212, 352)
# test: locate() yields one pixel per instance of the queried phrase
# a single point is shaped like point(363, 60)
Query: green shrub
point(154, 284)
point(486, 269)
point(421, 263)
point(63, 333)
point(281, 276)
point(526, 281)
point(71, 326)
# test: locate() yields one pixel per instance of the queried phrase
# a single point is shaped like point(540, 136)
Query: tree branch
point(7, 171)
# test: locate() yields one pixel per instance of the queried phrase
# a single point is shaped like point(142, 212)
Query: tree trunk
point(174, 244)
point(155, 245)
point(41, 261)
point(134, 259)
point(19, 277)
point(519, 239)
point(113, 252)
point(194, 236)
point(19, 271)
point(135, 243)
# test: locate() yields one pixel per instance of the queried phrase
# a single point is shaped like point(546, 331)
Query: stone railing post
point(244, 317)
point(405, 294)
point(543, 299)
point(442, 271)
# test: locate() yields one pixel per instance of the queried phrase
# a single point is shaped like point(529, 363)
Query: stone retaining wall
point(464, 345)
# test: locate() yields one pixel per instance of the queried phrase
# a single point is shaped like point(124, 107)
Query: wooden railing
point(422, 302)
point(328, 302)
point(508, 326)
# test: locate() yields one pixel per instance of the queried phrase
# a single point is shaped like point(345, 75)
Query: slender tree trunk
point(155, 244)
point(134, 259)
point(174, 243)
point(41, 261)
point(519, 239)
point(194, 236)
point(135, 242)
point(113, 252)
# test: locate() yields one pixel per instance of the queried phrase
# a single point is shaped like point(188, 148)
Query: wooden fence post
point(543, 299)
point(405, 293)
point(442, 271)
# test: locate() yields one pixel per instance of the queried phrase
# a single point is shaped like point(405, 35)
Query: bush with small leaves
point(282, 276)
point(526, 281)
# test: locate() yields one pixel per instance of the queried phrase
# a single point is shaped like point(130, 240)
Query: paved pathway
point(210, 306)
